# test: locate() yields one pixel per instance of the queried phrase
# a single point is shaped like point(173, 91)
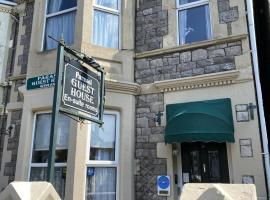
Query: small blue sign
point(163, 182)
point(90, 171)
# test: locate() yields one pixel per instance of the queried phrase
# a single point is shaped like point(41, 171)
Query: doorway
point(204, 162)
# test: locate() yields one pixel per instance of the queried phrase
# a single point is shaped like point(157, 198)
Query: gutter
point(264, 137)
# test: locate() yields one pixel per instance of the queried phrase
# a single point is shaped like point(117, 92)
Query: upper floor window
point(60, 20)
point(106, 23)
point(193, 21)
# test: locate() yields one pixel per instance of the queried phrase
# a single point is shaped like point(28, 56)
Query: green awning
point(200, 121)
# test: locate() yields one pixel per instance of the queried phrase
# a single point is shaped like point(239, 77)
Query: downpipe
point(264, 138)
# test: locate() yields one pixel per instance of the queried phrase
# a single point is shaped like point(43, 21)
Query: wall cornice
point(7, 9)
point(202, 81)
point(17, 77)
point(196, 45)
point(122, 87)
point(24, 1)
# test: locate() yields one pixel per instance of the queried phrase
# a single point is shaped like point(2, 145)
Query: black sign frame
point(58, 107)
point(77, 111)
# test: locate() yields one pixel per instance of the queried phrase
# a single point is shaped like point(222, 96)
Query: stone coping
point(17, 77)
point(187, 47)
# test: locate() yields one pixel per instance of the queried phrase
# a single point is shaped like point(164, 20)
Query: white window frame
point(110, 11)
point(8, 3)
point(189, 6)
point(39, 165)
point(46, 16)
point(101, 163)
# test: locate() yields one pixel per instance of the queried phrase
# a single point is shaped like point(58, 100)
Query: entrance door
point(204, 162)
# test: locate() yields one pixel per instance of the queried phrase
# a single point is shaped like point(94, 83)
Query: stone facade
point(227, 14)
point(151, 25)
point(199, 61)
point(3, 122)
point(13, 141)
point(189, 63)
point(147, 137)
point(23, 40)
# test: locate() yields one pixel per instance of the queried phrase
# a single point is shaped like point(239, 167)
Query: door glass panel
point(195, 167)
point(214, 168)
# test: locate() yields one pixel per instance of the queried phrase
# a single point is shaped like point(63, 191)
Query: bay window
point(106, 21)
point(40, 150)
point(59, 20)
point(102, 162)
point(193, 21)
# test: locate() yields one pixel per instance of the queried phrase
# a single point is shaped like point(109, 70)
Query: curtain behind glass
point(108, 3)
point(59, 5)
point(182, 22)
point(106, 29)
point(40, 174)
point(58, 25)
point(183, 26)
point(102, 184)
point(207, 19)
point(42, 132)
point(102, 141)
point(104, 137)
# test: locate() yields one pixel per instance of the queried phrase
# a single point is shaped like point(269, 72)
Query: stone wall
point(152, 22)
point(12, 145)
point(151, 25)
point(189, 63)
point(3, 122)
point(23, 40)
point(227, 14)
point(147, 137)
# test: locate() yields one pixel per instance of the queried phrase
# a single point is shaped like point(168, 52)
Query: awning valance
point(200, 121)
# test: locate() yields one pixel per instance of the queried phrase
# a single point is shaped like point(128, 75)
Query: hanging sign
point(43, 81)
point(81, 89)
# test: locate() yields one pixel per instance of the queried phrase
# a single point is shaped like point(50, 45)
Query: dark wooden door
point(204, 162)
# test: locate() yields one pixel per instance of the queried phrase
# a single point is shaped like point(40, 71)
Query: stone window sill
point(187, 47)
